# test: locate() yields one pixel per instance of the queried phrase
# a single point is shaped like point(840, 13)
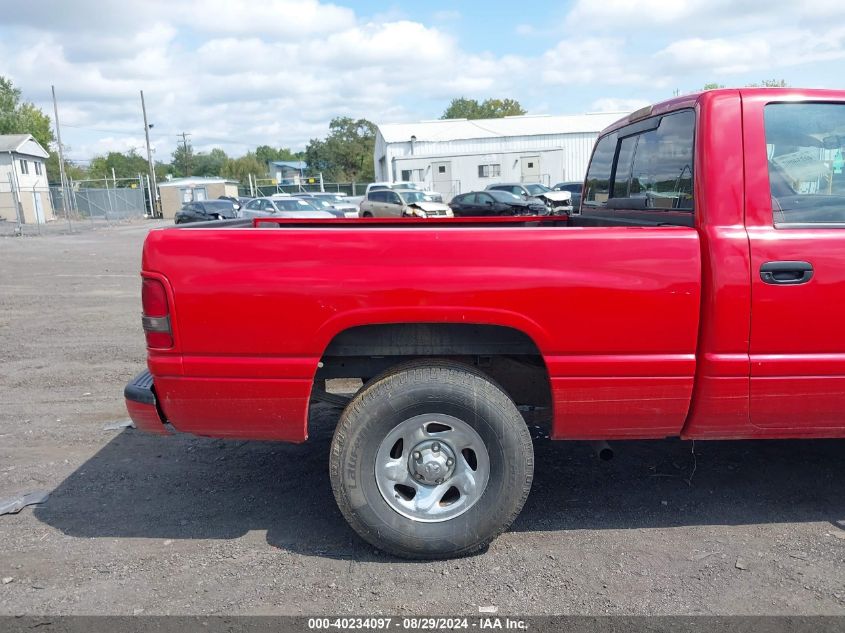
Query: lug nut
point(450, 461)
point(435, 447)
point(438, 481)
point(417, 455)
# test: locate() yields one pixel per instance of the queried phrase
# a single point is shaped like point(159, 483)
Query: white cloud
point(237, 73)
point(756, 52)
point(616, 104)
point(589, 60)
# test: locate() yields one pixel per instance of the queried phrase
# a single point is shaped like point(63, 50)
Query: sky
point(240, 73)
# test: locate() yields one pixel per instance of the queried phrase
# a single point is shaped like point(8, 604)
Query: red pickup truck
point(698, 293)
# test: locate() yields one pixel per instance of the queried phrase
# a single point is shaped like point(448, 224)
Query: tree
point(240, 168)
point(22, 117)
point(209, 164)
point(770, 83)
point(264, 154)
point(766, 83)
point(346, 154)
point(182, 162)
point(463, 108)
point(125, 165)
point(72, 170)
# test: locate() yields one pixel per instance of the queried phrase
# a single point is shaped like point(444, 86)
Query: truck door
point(795, 215)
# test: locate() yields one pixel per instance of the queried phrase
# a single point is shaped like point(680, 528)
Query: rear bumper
point(141, 404)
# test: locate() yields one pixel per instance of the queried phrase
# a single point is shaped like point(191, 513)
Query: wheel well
point(510, 357)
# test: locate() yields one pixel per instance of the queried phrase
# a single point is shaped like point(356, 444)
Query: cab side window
point(642, 174)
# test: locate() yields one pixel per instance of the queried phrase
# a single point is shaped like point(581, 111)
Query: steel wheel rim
point(432, 468)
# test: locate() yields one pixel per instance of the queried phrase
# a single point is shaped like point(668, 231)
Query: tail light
point(156, 317)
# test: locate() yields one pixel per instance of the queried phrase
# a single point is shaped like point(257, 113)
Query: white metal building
point(454, 156)
point(24, 190)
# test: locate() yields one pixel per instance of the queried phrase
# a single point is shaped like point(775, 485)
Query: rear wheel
point(367, 214)
point(431, 460)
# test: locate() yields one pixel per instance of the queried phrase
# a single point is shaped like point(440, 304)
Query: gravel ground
point(182, 525)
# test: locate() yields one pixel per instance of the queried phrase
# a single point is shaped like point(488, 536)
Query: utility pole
point(185, 136)
point(152, 184)
point(61, 160)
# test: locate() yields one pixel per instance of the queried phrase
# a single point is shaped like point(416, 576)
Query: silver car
point(282, 207)
point(402, 203)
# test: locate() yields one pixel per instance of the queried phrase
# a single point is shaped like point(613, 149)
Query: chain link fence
point(77, 207)
point(343, 188)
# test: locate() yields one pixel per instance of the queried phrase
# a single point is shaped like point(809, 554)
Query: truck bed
point(613, 312)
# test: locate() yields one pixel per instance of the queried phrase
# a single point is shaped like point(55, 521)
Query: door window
point(598, 175)
point(642, 174)
point(805, 147)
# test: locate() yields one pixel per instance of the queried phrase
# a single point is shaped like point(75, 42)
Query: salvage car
point(337, 209)
point(339, 201)
point(389, 203)
point(431, 196)
point(557, 201)
point(282, 206)
point(574, 188)
point(630, 320)
point(205, 211)
point(477, 203)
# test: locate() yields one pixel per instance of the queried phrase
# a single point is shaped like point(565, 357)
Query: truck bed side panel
point(614, 311)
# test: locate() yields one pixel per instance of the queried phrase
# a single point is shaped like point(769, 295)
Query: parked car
point(235, 201)
point(431, 196)
point(699, 303)
point(559, 202)
point(496, 202)
point(390, 203)
point(574, 188)
point(338, 209)
point(205, 211)
point(284, 207)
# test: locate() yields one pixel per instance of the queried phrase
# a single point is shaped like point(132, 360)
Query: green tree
point(72, 170)
point(264, 154)
point(240, 168)
point(209, 164)
point(125, 165)
point(770, 83)
point(766, 83)
point(22, 117)
point(346, 154)
point(183, 158)
point(463, 108)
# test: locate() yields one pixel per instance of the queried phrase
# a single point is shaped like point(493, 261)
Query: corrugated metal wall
point(564, 157)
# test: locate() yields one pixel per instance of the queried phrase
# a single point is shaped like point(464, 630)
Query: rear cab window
point(642, 174)
point(805, 151)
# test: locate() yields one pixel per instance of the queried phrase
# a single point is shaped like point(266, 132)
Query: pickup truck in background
point(697, 294)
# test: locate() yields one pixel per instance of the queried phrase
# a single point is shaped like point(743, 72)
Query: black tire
point(366, 214)
point(425, 387)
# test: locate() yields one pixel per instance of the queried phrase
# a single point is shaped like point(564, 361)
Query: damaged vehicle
point(401, 203)
point(558, 202)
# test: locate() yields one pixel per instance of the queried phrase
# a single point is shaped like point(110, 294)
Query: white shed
point(24, 190)
point(454, 156)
